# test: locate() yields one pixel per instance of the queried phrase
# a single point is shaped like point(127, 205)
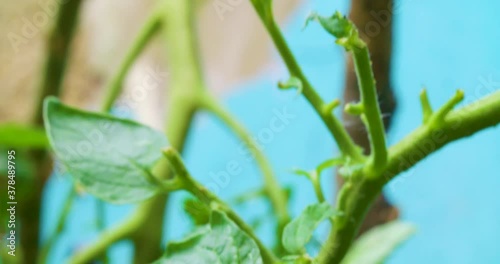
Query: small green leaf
point(337, 25)
point(377, 244)
point(219, 242)
point(21, 136)
point(300, 230)
point(111, 158)
point(341, 28)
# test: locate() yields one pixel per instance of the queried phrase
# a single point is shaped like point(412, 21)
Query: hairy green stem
point(204, 195)
point(371, 109)
point(357, 195)
point(342, 138)
point(273, 190)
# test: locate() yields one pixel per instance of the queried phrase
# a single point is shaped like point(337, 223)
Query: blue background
point(452, 197)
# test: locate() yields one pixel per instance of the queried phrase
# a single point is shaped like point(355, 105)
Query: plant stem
point(45, 250)
point(356, 197)
point(145, 225)
point(427, 139)
point(188, 70)
point(184, 86)
point(371, 109)
point(342, 138)
point(272, 187)
point(210, 199)
point(426, 106)
point(109, 237)
point(58, 50)
point(183, 55)
point(317, 189)
point(53, 71)
point(114, 87)
point(101, 223)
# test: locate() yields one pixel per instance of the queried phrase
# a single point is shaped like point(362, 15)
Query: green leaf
point(300, 230)
point(341, 28)
point(219, 242)
point(21, 136)
point(112, 158)
point(337, 25)
point(377, 244)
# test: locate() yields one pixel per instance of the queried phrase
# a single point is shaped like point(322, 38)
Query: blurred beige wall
point(233, 44)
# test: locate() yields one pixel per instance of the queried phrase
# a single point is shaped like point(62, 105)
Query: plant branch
point(211, 200)
point(347, 36)
point(436, 118)
point(54, 68)
point(181, 104)
point(426, 106)
point(427, 139)
point(371, 110)
point(342, 138)
point(273, 190)
point(114, 87)
point(356, 196)
point(58, 50)
point(317, 188)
